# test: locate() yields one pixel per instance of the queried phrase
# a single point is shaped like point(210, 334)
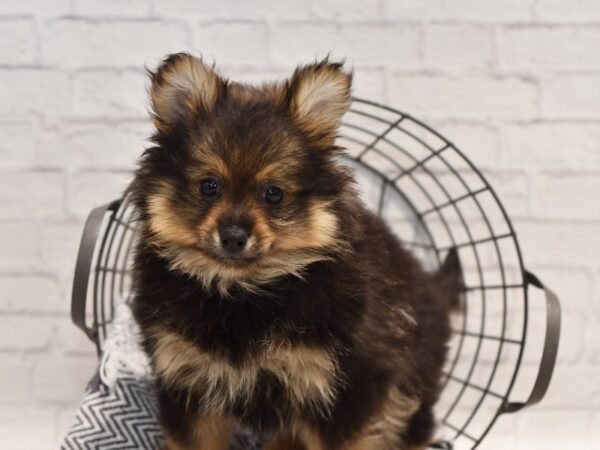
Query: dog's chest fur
point(295, 377)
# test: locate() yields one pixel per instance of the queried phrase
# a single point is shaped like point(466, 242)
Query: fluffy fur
point(323, 333)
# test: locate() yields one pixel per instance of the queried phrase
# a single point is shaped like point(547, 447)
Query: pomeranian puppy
point(267, 295)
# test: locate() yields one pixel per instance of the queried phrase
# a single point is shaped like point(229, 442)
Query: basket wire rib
point(464, 414)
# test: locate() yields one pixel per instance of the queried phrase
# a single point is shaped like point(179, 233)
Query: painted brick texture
point(515, 84)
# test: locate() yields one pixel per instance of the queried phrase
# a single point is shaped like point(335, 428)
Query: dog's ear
point(319, 95)
point(182, 88)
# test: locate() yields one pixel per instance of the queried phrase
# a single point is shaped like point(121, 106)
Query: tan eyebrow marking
point(279, 174)
point(208, 163)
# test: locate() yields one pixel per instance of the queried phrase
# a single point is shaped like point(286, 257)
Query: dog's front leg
point(285, 441)
point(203, 433)
point(188, 427)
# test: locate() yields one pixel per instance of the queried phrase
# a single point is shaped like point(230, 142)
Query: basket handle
point(84, 265)
point(550, 348)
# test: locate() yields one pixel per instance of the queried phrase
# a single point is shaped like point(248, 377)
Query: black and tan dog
point(266, 293)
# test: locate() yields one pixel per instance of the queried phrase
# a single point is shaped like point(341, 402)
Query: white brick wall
point(514, 83)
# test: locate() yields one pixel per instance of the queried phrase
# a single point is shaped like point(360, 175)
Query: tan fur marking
point(362, 443)
point(319, 233)
point(382, 433)
point(251, 277)
point(209, 224)
point(308, 374)
point(214, 433)
point(324, 225)
point(310, 438)
point(208, 433)
point(306, 437)
point(280, 174)
point(162, 220)
point(285, 442)
point(267, 173)
point(391, 421)
point(261, 229)
point(170, 444)
point(209, 163)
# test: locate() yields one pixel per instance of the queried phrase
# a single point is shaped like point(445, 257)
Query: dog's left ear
point(319, 95)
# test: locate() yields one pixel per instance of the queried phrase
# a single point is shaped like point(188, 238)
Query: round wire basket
point(435, 199)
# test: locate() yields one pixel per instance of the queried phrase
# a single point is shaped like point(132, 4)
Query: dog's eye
point(273, 195)
point(209, 187)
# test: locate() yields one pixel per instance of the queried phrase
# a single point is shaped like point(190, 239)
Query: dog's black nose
point(233, 239)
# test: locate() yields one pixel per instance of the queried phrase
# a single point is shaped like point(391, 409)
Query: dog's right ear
point(183, 88)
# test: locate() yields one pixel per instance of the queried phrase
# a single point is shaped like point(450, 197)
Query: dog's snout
point(233, 239)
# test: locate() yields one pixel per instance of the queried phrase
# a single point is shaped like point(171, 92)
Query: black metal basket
point(435, 199)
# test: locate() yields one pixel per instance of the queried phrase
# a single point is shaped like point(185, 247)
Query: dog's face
point(242, 186)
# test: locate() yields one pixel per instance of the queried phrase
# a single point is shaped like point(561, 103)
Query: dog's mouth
point(236, 260)
point(239, 260)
